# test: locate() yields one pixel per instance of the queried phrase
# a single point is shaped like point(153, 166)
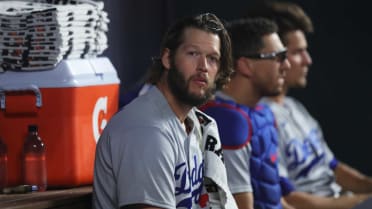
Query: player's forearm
point(286, 205)
point(244, 200)
point(301, 200)
point(352, 180)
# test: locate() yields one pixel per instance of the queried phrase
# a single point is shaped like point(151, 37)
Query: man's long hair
point(174, 37)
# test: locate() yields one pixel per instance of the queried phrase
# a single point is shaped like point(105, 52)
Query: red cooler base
point(70, 121)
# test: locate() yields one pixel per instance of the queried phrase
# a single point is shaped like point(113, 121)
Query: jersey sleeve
point(286, 186)
point(238, 171)
point(144, 168)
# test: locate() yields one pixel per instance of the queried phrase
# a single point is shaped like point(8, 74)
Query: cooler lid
point(68, 73)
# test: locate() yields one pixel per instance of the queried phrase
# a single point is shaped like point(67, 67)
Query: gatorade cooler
point(71, 104)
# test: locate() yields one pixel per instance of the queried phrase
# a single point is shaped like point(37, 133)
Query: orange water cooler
point(71, 105)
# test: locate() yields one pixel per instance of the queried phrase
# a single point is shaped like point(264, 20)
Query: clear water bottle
point(3, 164)
point(34, 160)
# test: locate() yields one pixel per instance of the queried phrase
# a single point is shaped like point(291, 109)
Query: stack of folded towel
point(38, 35)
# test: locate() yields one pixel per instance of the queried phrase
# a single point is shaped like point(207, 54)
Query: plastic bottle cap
point(32, 128)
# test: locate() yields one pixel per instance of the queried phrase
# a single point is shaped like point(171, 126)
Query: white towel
point(214, 169)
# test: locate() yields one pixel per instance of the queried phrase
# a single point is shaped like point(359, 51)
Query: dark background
point(339, 79)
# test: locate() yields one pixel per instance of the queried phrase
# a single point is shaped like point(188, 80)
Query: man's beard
point(179, 87)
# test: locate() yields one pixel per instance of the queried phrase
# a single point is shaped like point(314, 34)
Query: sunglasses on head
point(211, 21)
point(279, 55)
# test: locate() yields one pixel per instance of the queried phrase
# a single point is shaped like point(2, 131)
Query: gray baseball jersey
point(145, 156)
point(304, 156)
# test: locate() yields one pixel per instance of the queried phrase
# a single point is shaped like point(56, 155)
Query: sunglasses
point(211, 21)
point(280, 56)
